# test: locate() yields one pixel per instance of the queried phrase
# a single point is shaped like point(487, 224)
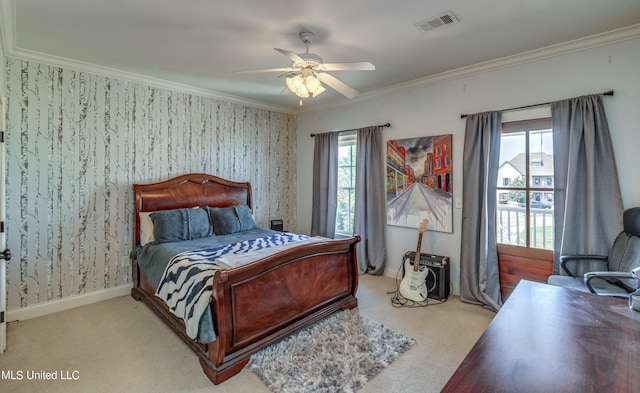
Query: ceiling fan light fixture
point(308, 74)
point(296, 85)
point(304, 84)
point(313, 85)
point(319, 90)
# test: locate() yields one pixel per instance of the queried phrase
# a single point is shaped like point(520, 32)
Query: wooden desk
point(552, 339)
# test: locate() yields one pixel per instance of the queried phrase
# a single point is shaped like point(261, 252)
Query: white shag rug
point(338, 354)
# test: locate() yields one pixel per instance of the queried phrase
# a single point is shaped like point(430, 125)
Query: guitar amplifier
point(438, 281)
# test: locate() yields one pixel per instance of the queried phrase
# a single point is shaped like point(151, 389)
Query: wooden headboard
point(191, 190)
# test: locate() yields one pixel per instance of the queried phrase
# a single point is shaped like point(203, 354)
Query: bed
point(251, 306)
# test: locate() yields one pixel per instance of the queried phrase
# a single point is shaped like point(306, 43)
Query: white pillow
point(146, 228)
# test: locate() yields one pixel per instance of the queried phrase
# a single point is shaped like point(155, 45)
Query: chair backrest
point(625, 253)
point(631, 221)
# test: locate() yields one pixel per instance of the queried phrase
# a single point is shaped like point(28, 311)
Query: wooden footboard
point(258, 304)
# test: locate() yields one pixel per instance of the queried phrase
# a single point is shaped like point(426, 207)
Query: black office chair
point(618, 279)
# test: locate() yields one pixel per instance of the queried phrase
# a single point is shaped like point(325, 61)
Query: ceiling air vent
point(434, 22)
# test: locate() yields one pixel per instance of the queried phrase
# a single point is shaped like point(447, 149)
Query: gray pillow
point(199, 223)
point(224, 220)
point(245, 217)
point(180, 224)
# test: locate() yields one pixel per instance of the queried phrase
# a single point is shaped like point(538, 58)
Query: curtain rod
point(379, 125)
point(606, 93)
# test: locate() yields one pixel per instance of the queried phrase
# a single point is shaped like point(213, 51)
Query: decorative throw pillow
point(199, 224)
point(245, 217)
point(224, 220)
point(180, 224)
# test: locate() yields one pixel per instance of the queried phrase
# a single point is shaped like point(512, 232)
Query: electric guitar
point(414, 283)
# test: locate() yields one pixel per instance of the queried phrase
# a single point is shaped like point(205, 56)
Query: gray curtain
point(479, 275)
point(587, 201)
point(370, 218)
point(325, 185)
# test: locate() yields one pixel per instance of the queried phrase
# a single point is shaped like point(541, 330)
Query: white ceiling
point(201, 43)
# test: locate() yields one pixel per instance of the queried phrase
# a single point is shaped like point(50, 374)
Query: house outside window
point(346, 184)
point(525, 215)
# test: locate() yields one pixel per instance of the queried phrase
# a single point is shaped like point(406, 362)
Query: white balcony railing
point(511, 226)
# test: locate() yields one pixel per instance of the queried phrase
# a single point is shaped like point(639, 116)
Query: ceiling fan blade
point(294, 57)
point(287, 69)
point(289, 73)
point(337, 85)
point(354, 66)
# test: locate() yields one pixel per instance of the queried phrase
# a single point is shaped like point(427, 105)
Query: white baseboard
point(38, 310)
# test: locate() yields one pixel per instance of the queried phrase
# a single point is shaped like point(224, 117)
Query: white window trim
point(348, 138)
point(537, 112)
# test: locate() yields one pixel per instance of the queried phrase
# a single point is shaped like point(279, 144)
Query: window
point(525, 219)
point(346, 183)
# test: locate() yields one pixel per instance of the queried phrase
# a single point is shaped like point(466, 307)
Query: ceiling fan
point(307, 73)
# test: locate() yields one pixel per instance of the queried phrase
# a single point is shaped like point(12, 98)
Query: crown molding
point(8, 35)
point(580, 44)
point(8, 40)
point(7, 27)
point(24, 54)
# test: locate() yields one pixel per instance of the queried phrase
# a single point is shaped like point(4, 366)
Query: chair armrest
point(614, 278)
point(607, 274)
point(579, 258)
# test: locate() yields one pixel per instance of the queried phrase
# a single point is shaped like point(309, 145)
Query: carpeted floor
point(121, 346)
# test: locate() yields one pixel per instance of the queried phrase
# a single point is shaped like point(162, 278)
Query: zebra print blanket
point(187, 282)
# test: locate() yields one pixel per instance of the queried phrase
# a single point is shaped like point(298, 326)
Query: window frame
point(526, 126)
point(348, 138)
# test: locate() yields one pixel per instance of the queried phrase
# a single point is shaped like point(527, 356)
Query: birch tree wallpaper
point(77, 142)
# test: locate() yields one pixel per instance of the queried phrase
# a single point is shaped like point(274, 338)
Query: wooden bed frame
point(255, 305)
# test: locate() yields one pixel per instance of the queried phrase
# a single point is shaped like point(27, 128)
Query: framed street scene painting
point(419, 182)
